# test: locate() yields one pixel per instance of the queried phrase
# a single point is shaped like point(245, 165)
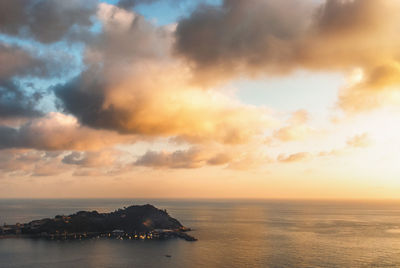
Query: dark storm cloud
point(46, 20)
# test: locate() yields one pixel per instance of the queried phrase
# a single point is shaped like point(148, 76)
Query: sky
point(200, 99)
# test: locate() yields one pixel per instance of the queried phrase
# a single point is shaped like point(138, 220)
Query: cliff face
point(131, 219)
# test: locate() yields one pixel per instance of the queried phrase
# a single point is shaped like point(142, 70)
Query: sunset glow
point(199, 99)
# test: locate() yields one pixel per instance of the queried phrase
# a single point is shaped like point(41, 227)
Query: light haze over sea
point(231, 233)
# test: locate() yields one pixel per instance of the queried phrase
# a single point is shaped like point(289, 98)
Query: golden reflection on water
point(231, 234)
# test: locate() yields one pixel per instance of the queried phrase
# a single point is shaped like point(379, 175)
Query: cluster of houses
point(14, 229)
point(10, 229)
point(155, 234)
point(17, 229)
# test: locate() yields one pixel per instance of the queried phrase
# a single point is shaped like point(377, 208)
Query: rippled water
point(231, 233)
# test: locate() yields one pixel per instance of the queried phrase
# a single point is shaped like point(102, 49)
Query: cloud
point(153, 102)
point(12, 160)
point(296, 128)
point(57, 131)
point(15, 102)
point(128, 4)
point(220, 159)
point(276, 37)
point(104, 158)
point(196, 157)
point(19, 97)
point(48, 169)
point(17, 61)
point(297, 157)
point(241, 37)
point(357, 141)
point(334, 152)
point(88, 173)
point(142, 81)
point(132, 85)
point(192, 158)
point(293, 133)
point(30, 162)
point(375, 89)
point(127, 36)
point(46, 20)
point(289, 34)
point(248, 159)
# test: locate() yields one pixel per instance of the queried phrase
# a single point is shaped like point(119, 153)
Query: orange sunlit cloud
point(122, 97)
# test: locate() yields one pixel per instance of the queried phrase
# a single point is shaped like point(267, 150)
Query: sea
point(231, 233)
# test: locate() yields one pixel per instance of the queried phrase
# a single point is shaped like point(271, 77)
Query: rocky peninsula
point(144, 222)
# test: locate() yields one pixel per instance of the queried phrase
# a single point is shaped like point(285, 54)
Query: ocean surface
point(231, 233)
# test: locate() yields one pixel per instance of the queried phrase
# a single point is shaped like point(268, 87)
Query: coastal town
point(132, 223)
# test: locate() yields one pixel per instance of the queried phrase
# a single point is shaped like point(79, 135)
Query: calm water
point(231, 233)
